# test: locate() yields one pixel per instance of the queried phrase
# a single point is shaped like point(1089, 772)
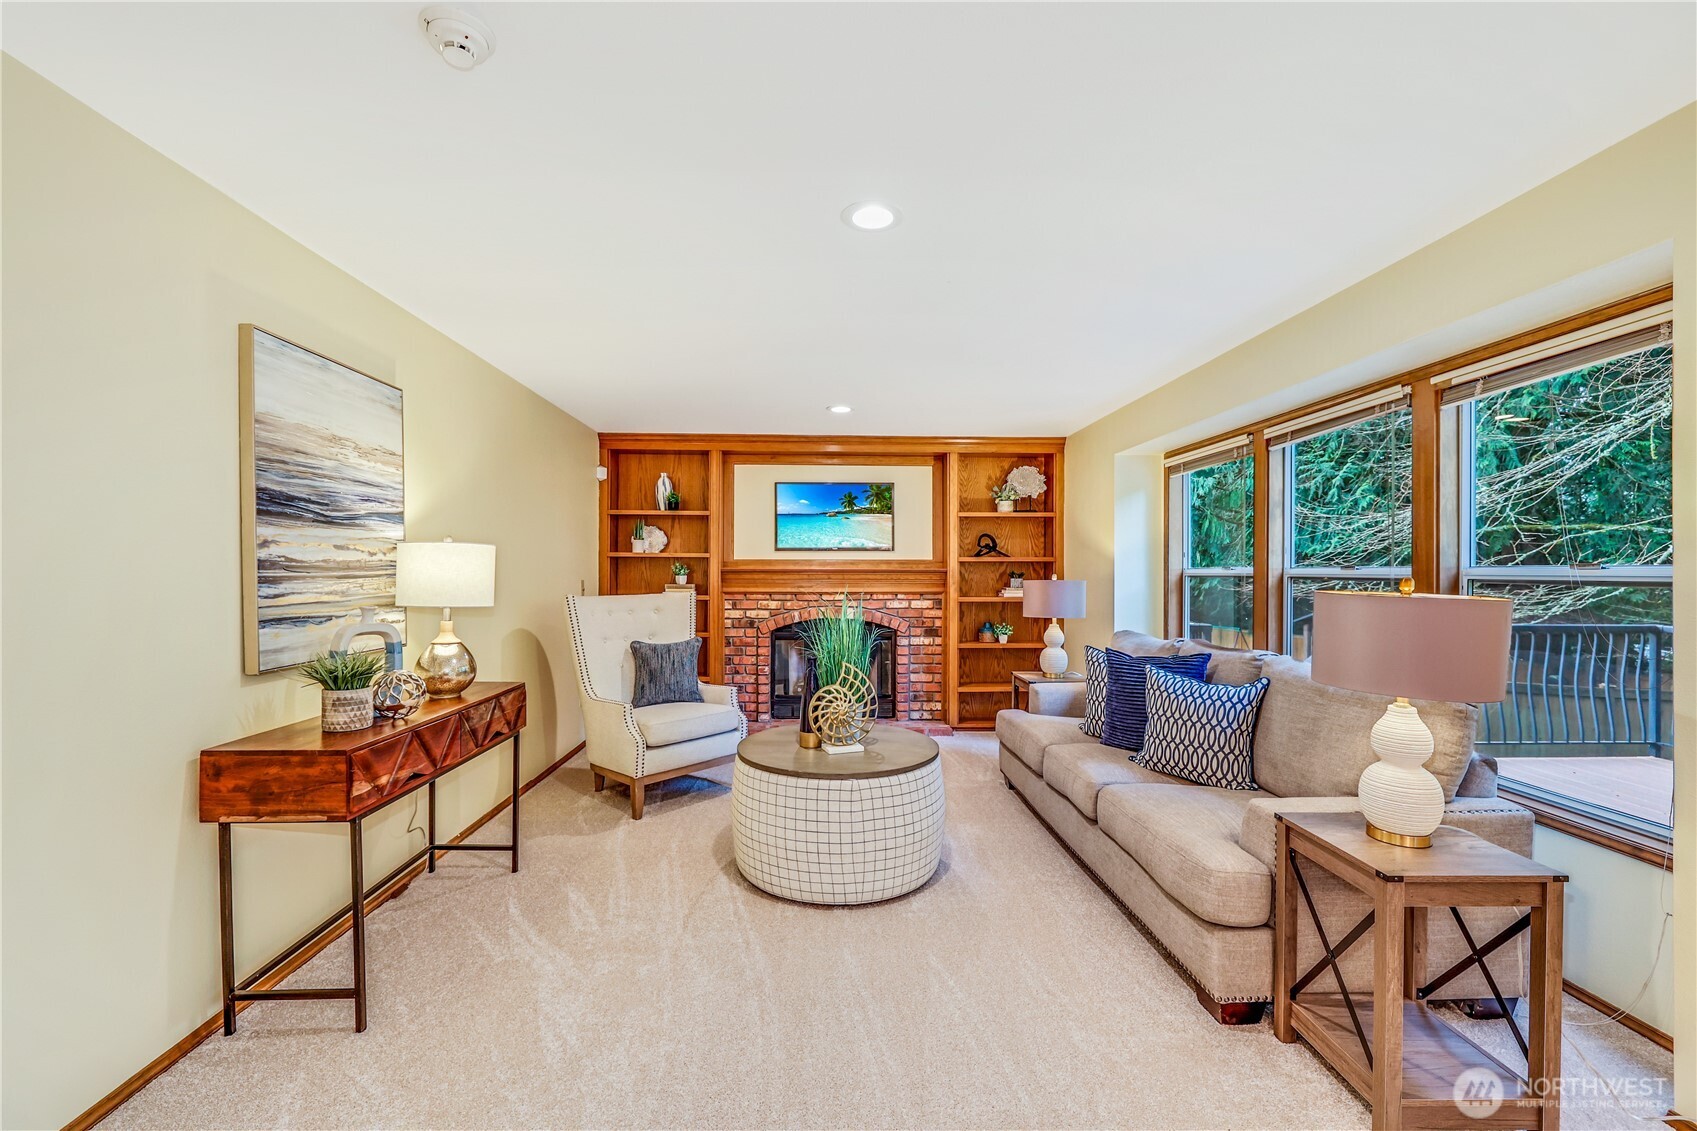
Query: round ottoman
point(837, 828)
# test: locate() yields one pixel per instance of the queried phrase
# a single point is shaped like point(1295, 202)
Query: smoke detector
point(461, 39)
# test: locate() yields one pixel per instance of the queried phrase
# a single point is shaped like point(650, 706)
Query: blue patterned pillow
point(1202, 732)
point(1125, 713)
point(1095, 690)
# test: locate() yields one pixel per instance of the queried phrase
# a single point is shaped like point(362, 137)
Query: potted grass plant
point(344, 679)
point(638, 537)
point(834, 642)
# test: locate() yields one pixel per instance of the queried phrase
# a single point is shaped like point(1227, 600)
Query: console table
point(1396, 1051)
point(298, 773)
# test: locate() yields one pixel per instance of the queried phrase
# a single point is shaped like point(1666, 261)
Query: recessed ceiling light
point(871, 216)
point(841, 408)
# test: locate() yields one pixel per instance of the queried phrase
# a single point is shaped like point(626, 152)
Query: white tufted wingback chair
point(642, 745)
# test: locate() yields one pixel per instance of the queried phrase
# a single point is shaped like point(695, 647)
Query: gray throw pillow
point(666, 673)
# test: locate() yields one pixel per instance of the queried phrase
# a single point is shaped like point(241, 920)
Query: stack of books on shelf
point(1010, 591)
point(673, 588)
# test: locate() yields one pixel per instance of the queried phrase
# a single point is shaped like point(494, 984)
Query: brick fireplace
point(915, 621)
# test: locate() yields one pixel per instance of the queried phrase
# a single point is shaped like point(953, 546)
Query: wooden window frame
point(1439, 553)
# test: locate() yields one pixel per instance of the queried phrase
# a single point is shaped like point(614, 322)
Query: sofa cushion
point(1028, 735)
point(663, 724)
point(1141, 644)
point(1079, 771)
point(1313, 740)
point(1185, 837)
point(1226, 665)
point(1126, 714)
point(1202, 732)
point(1503, 823)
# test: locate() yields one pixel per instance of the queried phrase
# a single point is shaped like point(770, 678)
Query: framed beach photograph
point(323, 500)
point(836, 516)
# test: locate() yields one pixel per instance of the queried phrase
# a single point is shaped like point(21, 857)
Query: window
point(1537, 469)
point(1219, 552)
point(1350, 518)
point(1568, 489)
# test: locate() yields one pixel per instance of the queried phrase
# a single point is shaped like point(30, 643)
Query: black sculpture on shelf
point(987, 547)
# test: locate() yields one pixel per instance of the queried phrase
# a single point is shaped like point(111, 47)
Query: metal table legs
point(235, 992)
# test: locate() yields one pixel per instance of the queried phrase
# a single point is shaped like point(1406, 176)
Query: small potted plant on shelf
point(1003, 631)
point(345, 682)
point(673, 501)
point(680, 574)
point(638, 537)
point(1016, 579)
point(1024, 482)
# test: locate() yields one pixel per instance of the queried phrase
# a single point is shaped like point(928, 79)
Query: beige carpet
point(629, 977)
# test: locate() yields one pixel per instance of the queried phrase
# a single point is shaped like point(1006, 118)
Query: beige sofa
point(1195, 864)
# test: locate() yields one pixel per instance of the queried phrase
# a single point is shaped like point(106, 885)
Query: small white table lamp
point(1451, 649)
point(1056, 600)
point(445, 574)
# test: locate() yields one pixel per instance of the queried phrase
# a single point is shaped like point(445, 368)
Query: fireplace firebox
point(789, 668)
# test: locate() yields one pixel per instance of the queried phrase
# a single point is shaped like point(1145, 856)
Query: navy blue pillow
point(1126, 714)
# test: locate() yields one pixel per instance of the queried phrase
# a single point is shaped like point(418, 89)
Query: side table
point(1396, 1051)
point(1022, 682)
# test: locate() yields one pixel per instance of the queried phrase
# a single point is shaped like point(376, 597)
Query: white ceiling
point(633, 209)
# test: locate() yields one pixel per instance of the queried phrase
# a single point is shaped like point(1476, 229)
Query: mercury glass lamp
point(448, 575)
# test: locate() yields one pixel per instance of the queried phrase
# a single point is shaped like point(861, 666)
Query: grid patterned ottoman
point(837, 829)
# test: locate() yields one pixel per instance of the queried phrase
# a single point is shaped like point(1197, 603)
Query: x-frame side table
point(1415, 1069)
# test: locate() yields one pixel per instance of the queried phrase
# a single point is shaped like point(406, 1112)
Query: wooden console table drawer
point(299, 773)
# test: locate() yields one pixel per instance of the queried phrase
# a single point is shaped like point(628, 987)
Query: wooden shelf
point(660, 557)
point(986, 688)
point(1007, 514)
point(988, 559)
point(1037, 647)
point(662, 514)
point(991, 600)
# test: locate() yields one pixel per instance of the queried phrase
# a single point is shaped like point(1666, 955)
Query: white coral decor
point(653, 539)
point(1027, 482)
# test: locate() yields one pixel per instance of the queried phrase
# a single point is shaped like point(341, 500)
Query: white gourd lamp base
point(1053, 660)
point(1401, 800)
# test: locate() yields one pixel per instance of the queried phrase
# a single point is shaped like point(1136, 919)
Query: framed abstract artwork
point(322, 499)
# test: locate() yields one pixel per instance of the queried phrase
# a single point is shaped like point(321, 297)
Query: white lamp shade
point(448, 574)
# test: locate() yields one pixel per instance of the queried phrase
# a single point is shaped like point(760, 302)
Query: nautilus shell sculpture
point(842, 712)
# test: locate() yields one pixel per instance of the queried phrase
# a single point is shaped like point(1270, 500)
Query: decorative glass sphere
point(395, 695)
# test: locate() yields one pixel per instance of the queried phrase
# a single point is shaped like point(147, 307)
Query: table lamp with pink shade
point(1426, 646)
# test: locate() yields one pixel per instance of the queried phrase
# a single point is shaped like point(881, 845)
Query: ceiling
point(634, 208)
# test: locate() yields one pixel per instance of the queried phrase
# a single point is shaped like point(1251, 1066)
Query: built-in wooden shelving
point(976, 676)
point(1030, 541)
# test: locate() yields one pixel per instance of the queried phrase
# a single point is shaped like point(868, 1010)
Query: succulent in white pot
point(1003, 631)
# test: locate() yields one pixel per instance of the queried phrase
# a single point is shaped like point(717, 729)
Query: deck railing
point(1585, 685)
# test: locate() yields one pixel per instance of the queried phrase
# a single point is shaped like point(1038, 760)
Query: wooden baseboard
point(302, 954)
point(1643, 1028)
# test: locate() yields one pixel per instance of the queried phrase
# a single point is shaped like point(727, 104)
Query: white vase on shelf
point(1004, 505)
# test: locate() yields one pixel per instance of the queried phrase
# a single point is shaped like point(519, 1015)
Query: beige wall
point(751, 490)
point(1634, 196)
point(125, 278)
